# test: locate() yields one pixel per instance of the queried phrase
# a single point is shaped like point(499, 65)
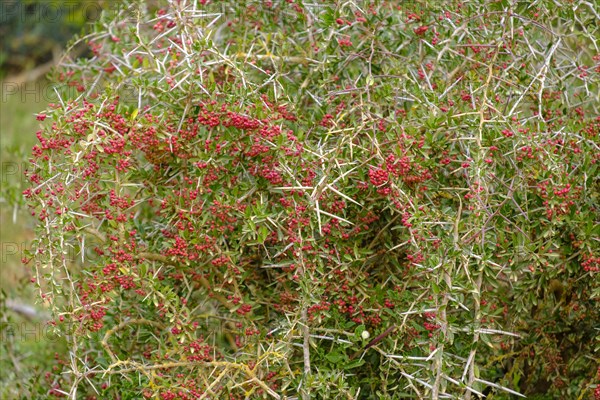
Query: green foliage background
point(34, 30)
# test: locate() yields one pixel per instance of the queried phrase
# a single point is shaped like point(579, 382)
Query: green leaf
point(354, 364)
point(335, 357)
point(327, 17)
point(263, 232)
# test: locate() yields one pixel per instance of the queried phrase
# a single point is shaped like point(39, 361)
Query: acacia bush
point(285, 199)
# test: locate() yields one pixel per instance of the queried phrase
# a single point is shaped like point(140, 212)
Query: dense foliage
point(286, 199)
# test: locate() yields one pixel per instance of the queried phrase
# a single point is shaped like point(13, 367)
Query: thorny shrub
point(285, 199)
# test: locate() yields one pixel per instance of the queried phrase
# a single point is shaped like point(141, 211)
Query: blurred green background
point(33, 36)
point(34, 31)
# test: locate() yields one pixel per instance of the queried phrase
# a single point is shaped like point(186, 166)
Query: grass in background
point(27, 346)
point(18, 126)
